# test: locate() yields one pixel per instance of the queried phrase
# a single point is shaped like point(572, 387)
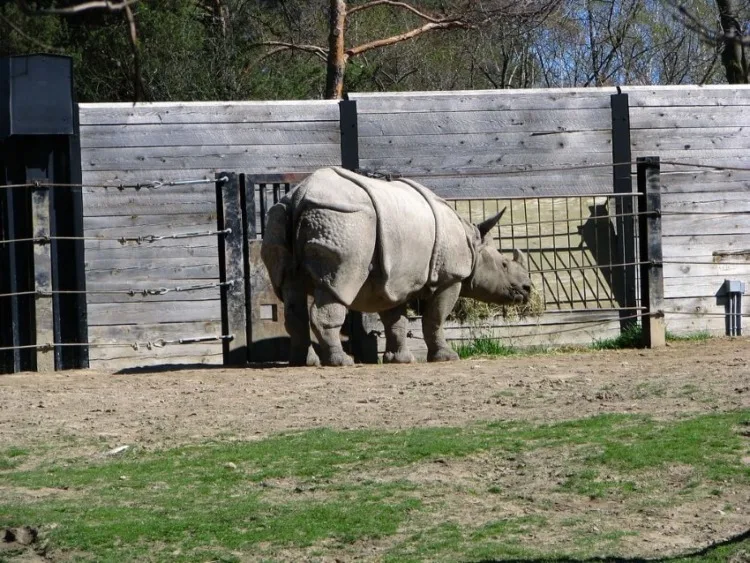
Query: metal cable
point(122, 240)
point(132, 292)
point(708, 166)
point(694, 263)
point(148, 345)
point(154, 185)
point(706, 314)
point(594, 267)
point(663, 213)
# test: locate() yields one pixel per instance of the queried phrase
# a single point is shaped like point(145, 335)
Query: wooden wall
point(122, 143)
point(483, 145)
point(699, 126)
point(490, 145)
point(496, 144)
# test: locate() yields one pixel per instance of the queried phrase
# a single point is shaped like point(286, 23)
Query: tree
point(733, 55)
point(463, 15)
point(731, 37)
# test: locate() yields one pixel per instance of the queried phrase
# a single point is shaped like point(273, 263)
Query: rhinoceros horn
point(487, 225)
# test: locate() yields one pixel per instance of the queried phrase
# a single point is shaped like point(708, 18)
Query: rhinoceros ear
point(487, 225)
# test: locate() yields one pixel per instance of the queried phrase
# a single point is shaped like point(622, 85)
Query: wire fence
point(137, 293)
point(573, 245)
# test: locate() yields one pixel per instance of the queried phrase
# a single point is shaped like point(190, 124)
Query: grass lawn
point(495, 491)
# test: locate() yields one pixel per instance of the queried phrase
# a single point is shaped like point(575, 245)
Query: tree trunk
point(733, 55)
point(337, 58)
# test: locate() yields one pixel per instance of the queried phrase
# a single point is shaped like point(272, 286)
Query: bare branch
point(134, 44)
point(110, 5)
point(454, 24)
point(285, 46)
point(396, 4)
point(27, 37)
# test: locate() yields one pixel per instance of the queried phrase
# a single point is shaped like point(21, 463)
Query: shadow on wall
point(600, 238)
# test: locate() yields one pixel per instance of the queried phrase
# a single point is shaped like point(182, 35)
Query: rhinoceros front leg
point(438, 307)
point(327, 316)
point(395, 324)
point(297, 324)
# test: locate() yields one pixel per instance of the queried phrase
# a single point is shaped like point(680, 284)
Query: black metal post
point(364, 346)
point(231, 268)
point(39, 138)
point(624, 279)
point(652, 271)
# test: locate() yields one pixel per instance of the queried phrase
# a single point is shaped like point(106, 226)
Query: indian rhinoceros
point(370, 245)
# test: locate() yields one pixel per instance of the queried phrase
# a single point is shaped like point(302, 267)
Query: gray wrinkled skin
point(369, 245)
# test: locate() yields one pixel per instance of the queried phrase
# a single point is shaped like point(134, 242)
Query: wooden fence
point(537, 144)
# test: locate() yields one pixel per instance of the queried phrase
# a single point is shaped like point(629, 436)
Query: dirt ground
point(163, 409)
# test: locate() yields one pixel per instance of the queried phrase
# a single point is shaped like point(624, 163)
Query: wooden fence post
point(652, 270)
point(44, 317)
point(623, 184)
point(231, 268)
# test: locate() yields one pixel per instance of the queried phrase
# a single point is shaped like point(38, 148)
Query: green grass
point(632, 337)
point(12, 457)
point(699, 336)
point(484, 346)
point(321, 489)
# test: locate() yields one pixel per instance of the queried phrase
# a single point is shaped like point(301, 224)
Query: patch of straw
point(469, 310)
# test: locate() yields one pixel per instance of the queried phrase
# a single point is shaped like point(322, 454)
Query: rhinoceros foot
point(338, 359)
point(402, 357)
point(303, 357)
point(442, 355)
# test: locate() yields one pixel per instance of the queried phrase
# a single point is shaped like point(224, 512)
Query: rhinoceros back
point(346, 228)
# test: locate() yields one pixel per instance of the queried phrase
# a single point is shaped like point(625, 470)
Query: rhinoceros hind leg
point(438, 307)
point(396, 348)
point(327, 316)
point(297, 324)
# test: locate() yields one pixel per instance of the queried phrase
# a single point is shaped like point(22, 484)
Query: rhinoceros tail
point(276, 248)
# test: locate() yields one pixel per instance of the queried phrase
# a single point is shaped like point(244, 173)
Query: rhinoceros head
point(497, 278)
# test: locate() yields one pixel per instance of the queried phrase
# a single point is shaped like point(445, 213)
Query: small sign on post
point(44, 318)
point(652, 269)
point(231, 268)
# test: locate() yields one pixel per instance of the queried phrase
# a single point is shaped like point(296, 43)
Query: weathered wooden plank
point(123, 296)
point(714, 224)
point(459, 163)
point(132, 203)
point(706, 202)
point(674, 268)
point(104, 224)
point(454, 185)
point(147, 312)
point(694, 286)
point(442, 123)
point(135, 174)
point(152, 331)
point(126, 357)
point(489, 100)
point(701, 306)
point(692, 95)
point(703, 246)
point(691, 139)
point(287, 158)
point(203, 134)
point(208, 112)
point(469, 143)
point(676, 117)
point(157, 254)
point(704, 182)
point(43, 311)
point(161, 273)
